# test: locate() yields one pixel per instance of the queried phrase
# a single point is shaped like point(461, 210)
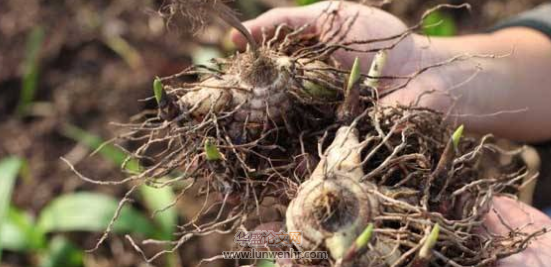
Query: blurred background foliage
point(70, 67)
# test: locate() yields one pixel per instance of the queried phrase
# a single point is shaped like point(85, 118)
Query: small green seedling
point(365, 237)
point(158, 90)
point(426, 250)
point(211, 151)
point(456, 136)
point(360, 245)
point(355, 74)
point(30, 69)
point(376, 70)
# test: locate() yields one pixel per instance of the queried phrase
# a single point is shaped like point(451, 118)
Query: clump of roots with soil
point(283, 129)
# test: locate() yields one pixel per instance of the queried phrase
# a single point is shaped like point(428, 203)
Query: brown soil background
point(84, 82)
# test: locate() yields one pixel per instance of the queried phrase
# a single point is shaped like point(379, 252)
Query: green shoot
point(456, 136)
point(158, 90)
point(426, 250)
point(365, 237)
point(355, 74)
point(376, 69)
point(359, 245)
point(211, 151)
point(35, 40)
point(65, 213)
point(350, 107)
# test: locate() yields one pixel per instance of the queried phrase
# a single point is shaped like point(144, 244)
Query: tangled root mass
point(253, 130)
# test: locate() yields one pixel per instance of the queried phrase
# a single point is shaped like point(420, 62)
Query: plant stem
point(228, 16)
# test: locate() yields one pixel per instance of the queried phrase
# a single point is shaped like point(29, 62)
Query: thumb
point(526, 219)
point(293, 17)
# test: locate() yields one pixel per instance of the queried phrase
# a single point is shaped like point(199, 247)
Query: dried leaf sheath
point(199, 13)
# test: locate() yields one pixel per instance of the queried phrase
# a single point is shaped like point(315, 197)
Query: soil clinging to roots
point(282, 128)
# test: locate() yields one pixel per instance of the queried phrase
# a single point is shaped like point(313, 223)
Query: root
point(265, 150)
point(105, 234)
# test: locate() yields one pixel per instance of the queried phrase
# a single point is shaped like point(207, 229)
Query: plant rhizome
point(283, 128)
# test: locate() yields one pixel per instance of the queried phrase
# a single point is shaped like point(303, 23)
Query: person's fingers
point(516, 215)
point(421, 91)
point(409, 95)
point(294, 17)
point(403, 96)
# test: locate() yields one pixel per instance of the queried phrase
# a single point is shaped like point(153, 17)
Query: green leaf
point(62, 253)
point(18, 232)
point(355, 74)
point(305, 2)
point(364, 238)
point(439, 23)
point(9, 168)
point(157, 199)
point(158, 90)
point(108, 151)
point(35, 39)
point(212, 151)
point(430, 241)
point(13, 236)
point(91, 212)
point(456, 136)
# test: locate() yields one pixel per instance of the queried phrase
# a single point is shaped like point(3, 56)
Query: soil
point(84, 82)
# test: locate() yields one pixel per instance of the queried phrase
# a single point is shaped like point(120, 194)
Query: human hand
point(408, 56)
point(370, 19)
point(488, 87)
point(516, 215)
